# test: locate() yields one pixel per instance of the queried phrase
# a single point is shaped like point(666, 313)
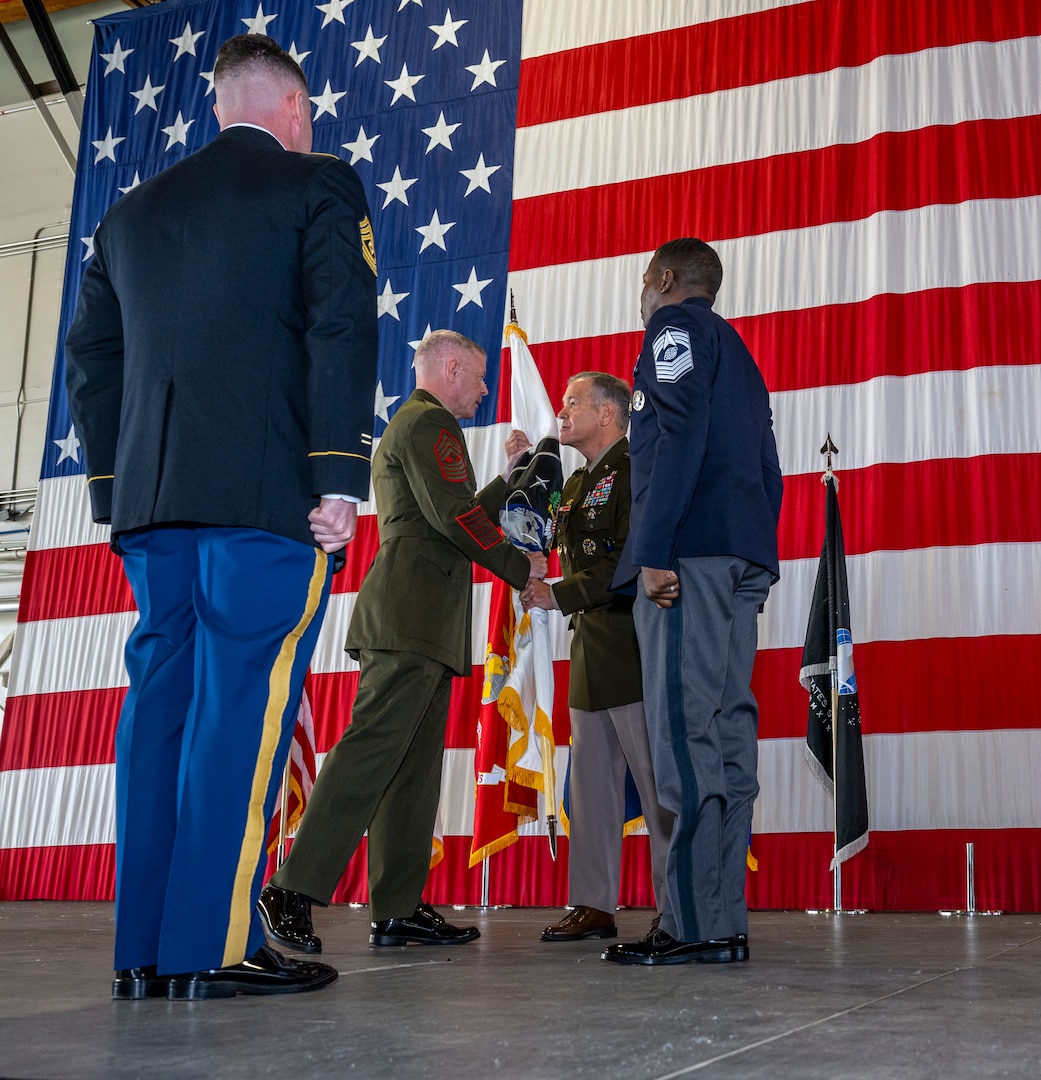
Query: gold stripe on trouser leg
point(241, 913)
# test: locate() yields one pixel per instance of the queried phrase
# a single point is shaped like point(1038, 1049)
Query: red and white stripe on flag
point(298, 778)
point(870, 177)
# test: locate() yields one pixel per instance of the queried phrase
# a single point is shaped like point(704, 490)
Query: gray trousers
point(383, 775)
point(603, 743)
point(702, 720)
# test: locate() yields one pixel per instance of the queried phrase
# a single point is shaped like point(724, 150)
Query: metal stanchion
point(970, 888)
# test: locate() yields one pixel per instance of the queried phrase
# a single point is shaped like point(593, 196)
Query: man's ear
point(297, 101)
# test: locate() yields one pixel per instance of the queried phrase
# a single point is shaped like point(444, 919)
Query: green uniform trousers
point(383, 775)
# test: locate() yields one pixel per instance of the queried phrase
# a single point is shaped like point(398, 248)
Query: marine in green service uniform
point(410, 633)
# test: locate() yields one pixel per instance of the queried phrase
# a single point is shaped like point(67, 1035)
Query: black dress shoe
point(287, 919)
point(581, 922)
point(135, 984)
point(739, 947)
point(265, 972)
point(661, 948)
point(425, 927)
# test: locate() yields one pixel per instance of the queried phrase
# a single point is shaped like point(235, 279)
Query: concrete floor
point(885, 996)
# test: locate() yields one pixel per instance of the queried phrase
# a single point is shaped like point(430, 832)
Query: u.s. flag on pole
point(298, 778)
point(869, 175)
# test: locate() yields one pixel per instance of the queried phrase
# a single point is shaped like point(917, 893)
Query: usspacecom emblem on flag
point(844, 652)
point(672, 355)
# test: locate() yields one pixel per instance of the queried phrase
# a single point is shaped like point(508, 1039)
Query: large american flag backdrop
point(871, 175)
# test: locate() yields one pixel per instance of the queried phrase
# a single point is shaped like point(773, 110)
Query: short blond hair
point(439, 344)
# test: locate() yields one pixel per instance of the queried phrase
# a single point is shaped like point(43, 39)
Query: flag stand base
point(484, 905)
point(969, 910)
point(838, 909)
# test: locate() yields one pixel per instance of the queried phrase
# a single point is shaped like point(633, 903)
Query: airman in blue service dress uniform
point(410, 633)
point(605, 693)
point(703, 539)
point(221, 369)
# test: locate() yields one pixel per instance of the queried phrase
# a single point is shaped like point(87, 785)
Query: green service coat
point(591, 528)
point(433, 526)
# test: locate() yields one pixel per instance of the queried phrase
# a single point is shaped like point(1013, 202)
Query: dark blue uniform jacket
point(705, 474)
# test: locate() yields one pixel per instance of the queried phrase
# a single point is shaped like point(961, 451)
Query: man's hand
point(334, 523)
point(539, 565)
point(516, 444)
point(661, 586)
point(537, 594)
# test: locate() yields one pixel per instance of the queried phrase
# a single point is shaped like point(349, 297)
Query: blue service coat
point(705, 475)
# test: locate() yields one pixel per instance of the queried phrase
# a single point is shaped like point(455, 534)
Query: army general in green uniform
point(410, 633)
point(608, 726)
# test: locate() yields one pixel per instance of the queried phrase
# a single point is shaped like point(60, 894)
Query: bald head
point(452, 368)
point(255, 81)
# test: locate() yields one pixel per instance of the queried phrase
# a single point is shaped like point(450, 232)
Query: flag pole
point(837, 872)
point(828, 449)
point(549, 781)
point(280, 854)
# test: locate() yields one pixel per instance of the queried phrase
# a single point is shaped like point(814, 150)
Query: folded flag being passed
point(526, 698)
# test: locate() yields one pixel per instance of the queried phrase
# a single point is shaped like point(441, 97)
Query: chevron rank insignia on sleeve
point(672, 355)
point(451, 457)
point(368, 243)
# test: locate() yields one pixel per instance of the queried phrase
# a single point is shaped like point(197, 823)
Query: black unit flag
point(834, 746)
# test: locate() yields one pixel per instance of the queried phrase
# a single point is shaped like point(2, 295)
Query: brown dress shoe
point(581, 922)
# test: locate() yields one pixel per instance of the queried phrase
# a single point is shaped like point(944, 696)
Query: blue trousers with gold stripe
point(228, 623)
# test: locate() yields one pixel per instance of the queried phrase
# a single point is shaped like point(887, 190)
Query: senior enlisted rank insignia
point(368, 244)
point(451, 457)
point(672, 355)
point(637, 401)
